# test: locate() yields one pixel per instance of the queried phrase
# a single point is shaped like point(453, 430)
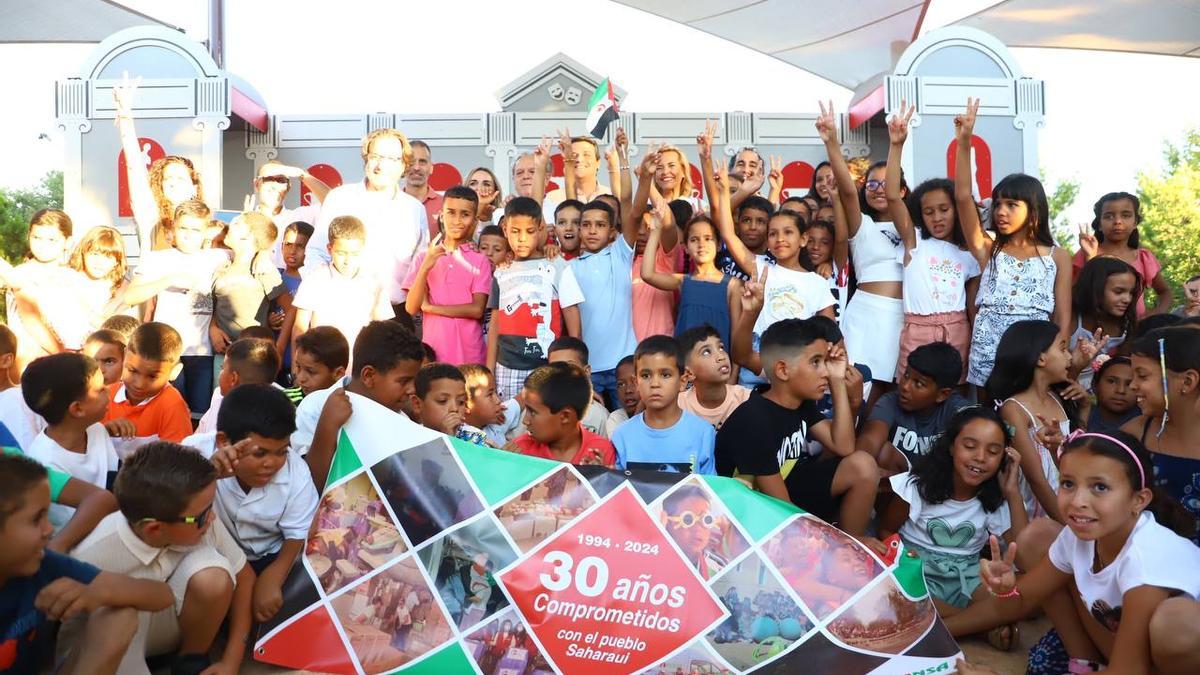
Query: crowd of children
point(892, 361)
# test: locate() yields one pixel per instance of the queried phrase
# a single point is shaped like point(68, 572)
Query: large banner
point(430, 555)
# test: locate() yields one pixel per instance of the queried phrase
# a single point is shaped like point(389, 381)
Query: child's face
point(311, 375)
point(524, 234)
point(26, 532)
point(1146, 385)
point(807, 373)
point(445, 397)
point(494, 247)
point(144, 378)
point(823, 180)
point(568, 356)
point(1009, 215)
point(752, 228)
point(98, 264)
point(545, 426)
point(702, 243)
point(937, 210)
point(484, 407)
point(94, 403)
point(566, 228)
point(46, 243)
point(1117, 220)
point(1191, 292)
point(1118, 293)
point(1056, 360)
point(594, 230)
point(691, 525)
point(708, 362)
point(977, 453)
point(1095, 496)
point(458, 218)
point(1114, 392)
point(344, 255)
point(293, 249)
point(110, 357)
point(392, 389)
point(877, 197)
point(627, 388)
point(257, 468)
point(659, 381)
point(177, 185)
point(918, 391)
point(239, 238)
point(820, 245)
point(188, 234)
point(784, 239)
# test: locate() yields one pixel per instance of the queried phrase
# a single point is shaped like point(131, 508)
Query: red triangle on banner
point(311, 642)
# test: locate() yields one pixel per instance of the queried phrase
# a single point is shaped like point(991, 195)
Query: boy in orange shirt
point(556, 396)
point(144, 398)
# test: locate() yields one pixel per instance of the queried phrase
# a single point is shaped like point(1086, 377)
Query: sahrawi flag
point(602, 109)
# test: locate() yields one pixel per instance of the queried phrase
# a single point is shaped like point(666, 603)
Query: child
point(966, 484)
point(440, 400)
point(340, 293)
point(1115, 233)
point(36, 284)
point(706, 368)
point(499, 421)
point(653, 308)
point(386, 359)
point(627, 390)
point(244, 289)
point(122, 324)
point(319, 361)
point(1191, 299)
point(247, 361)
point(1115, 401)
point(38, 585)
point(269, 501)
point(166, 531)
point(295, 239)
point(68, 391)
point(1103, 304)
point(573, 350)
point(1118, 556)
point(10, 376)
point(99, 286)
point(566, 227)
point(494, 245)
point(537, 300)
point(767, 438)
point(179, 280)
point(23, 424)
point(939, 272)
point(1030, 383)
point(144, 396)
point(904, 424)
point(107, 347)
point(663, 437)
point(830, 254)
point(1025, 276)
point(555, 398)
point(603, 272)
point(1166, 384)
point(448, 284)
point(750, 233)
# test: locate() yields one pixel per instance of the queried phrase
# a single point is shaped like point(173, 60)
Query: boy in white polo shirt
point(269, 501)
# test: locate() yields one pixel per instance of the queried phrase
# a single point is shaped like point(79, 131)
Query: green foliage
point(17, 206)
point(1061, 198)
point(1171, 209)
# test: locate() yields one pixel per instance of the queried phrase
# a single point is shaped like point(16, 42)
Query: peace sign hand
point(123, 95)
point(999, 575)
point(964, 123)
point(754, 292)
point(542, 151)
point(564, 145)
point(898, 123)
point(776, 174)
point(826, 123)
point(1088, 242)
point(704, 141)
point(1087, 348)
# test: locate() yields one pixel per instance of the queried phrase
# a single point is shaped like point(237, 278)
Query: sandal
point(1004, 638)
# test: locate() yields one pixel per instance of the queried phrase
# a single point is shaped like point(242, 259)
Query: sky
point(1107, 114)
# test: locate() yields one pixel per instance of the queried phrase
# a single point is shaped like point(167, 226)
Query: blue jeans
point(604, 382)
point(195, 382)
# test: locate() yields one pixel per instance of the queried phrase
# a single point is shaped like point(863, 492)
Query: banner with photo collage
point(444, 557)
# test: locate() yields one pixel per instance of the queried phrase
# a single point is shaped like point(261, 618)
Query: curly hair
point(105, 240)
point(166, 210)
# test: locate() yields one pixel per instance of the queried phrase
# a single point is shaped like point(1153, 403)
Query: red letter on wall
point(983, 164)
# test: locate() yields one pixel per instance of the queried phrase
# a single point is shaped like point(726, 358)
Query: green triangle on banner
point(451, 659)
point(499, 473)
point(757, 512)
point(910, 574)
point(345, 459)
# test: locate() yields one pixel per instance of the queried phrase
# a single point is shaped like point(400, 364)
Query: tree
point(1061, 198)
point(1170, 205)
point(17, 206)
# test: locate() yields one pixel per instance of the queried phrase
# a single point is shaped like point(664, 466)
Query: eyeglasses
point(876, 184)
point(199, 520)
point(275, 179)
point(689, 519)
point(376, 157)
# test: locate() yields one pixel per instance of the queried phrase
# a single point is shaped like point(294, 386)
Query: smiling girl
point(1115, 233)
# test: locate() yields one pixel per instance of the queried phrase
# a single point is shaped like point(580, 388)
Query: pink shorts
point(922, 329)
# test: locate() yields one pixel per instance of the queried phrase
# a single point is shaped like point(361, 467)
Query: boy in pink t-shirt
point(449, 284)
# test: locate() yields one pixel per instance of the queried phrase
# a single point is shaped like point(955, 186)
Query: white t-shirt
point(91, 466)
point(499, 434)
point(935, 278)
point(346, 303)
point(187, 310)
point(1152, 556)
point(791, 294)
point(615, 419)
point(397, 230)
point(954, 527)
point(21, 421)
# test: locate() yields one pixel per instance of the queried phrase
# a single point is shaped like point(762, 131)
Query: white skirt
point(871, 325)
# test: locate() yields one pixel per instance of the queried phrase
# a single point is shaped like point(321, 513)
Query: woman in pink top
point(1115, 233)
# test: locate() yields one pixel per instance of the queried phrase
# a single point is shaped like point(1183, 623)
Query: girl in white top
point(940, 274)
point(1119, 580)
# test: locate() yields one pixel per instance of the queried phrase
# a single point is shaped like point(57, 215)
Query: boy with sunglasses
point(166, 531)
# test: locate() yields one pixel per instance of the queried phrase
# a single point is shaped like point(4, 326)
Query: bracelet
point(624, 167)
point(1014, 593)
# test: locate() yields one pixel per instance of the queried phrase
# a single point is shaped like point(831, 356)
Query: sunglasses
point(199, 520)
point(689, 519)
point(876, 184)
point(275, 179)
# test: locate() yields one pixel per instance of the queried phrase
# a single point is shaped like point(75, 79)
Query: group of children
point(600, 339)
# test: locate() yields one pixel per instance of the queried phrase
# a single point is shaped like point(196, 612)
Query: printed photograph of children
point(824, 565)
point(503, 647)
point(694, 660)
point(392, 618)
point(701, 527)
point(352, 534)
point(884, 620)
point(426, 489)
point(540, 511)
point(763, 619)
point(461, 565)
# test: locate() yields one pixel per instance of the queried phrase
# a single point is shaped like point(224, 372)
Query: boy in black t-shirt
point(767, 437)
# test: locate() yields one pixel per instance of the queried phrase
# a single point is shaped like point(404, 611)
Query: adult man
point(585, 155)
point(524, 175)
point(271, 186)
point(748, 163)
point(416, 183)
point(396, 224)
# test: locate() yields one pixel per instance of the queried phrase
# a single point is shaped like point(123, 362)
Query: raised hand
point(613, 157)
point(836, 362)
point(776, 174)
point(621, 142)
point(898, 123)
point(1088, 243)
point(436, 250)
point(649, 165)
point(721, 177)
point(964, 123)
point(1010, 475)
point(826, 123)
point(226, 457)
point(1049, 433)
point(542, 152)
point(705, 140)
point(754, 291)
point(999, 575)
point(564, 145)
point(124, 94)
point(1087, 347)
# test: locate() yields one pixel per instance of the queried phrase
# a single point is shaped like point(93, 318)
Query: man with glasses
point(396, 223)
point(416, 183)
point(271, 187)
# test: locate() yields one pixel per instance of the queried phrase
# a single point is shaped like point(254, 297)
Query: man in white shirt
point(396, 224)
point(524, 176)
point(271, 187)
point(585, 160)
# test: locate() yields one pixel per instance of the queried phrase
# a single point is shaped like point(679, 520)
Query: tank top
point(704, 302)
point(1179, 477)
point(1033, 508)
point(873, 249)
point(1012, 285)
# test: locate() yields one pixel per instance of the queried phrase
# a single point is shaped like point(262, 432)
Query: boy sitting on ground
point(440, 401)
point(706, 367)
point(247, 361)
point(319, 360)
point(555, 397)
point(499, 421)
point(144, 396)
